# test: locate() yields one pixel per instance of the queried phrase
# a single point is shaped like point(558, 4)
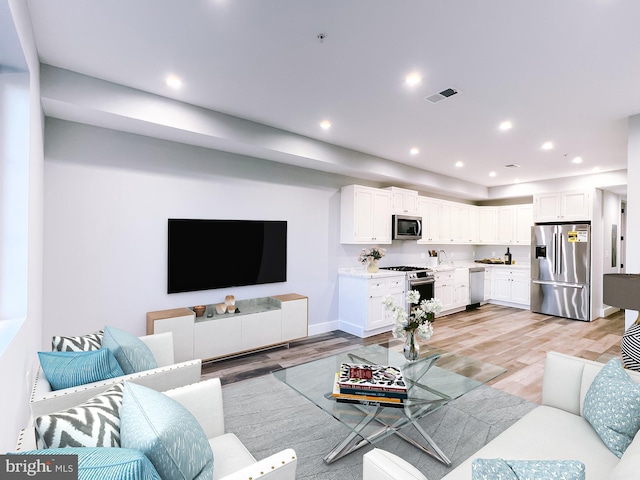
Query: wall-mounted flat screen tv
point(208, 254)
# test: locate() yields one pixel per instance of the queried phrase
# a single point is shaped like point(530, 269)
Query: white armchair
point(168, 375)
point(231, 458)
point(379, 464)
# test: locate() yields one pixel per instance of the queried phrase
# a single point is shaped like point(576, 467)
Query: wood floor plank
point(515, 339)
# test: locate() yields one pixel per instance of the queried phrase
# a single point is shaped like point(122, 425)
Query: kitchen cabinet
point(365, 215)
point(511, 286)
point(403, 201)
point(487, 225)
point(487, 283)
point(452, 288)
point(464, 223)
point(430, 209)
point(514, 224)
point(361, 311)
point(563, 206)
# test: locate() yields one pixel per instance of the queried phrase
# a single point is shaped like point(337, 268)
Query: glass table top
point(433, 380)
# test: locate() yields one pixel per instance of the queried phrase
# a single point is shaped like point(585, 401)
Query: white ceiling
point(563, 71)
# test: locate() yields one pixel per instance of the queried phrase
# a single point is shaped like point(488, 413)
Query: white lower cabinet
point(361, 310)
point(452, 288)
point(511, 286)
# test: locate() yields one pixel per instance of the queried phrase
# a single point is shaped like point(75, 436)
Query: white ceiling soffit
point(78, 98)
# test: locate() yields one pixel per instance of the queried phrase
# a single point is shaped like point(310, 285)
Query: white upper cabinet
point(430, 209)
point(365, 215)
point(563, 206)
point(403, 201)
point(514, 224)
point(487, 225)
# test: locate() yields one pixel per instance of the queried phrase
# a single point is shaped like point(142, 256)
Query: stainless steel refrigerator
point(561, 270)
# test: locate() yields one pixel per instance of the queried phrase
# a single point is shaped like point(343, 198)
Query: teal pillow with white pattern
point(612, 407)
point(104, 463)
point(166, 432)
point(70, 369)
point(499, 469)
point(132, 354)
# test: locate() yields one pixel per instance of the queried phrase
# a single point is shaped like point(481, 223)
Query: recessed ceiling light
point(325, 124)
point(413, 79)
point(506, 125)
point(577, 160)
point(459, 164)
point(547, 146)
point(173, 81)
point(492, 174)
point(414, 151)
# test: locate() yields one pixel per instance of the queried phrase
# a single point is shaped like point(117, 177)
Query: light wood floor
point(515, 339)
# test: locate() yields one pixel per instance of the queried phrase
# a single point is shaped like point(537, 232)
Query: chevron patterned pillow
point(95, 423)
point(84, 343)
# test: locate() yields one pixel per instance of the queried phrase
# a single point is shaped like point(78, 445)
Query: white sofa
point(168, 375)
point(232, 461)
point(555, 430)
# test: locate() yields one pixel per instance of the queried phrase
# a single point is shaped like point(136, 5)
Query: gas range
point(411, 271)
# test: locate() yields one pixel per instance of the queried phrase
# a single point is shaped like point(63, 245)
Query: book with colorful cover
point(364, 399)
point(371, 378)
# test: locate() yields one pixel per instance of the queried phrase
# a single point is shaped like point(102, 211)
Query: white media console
point(259, 323)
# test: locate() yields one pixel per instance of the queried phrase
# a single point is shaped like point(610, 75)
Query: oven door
point(425, 287)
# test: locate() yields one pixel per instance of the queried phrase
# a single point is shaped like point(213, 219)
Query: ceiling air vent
point(444, 94)
point(512, 165)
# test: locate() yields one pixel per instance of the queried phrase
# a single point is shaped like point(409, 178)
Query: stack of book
point(370, 385)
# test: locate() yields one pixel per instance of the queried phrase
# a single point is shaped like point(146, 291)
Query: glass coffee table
point(433, 380)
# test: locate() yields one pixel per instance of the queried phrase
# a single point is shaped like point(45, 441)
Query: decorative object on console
point(229, 300)
point(70, 369)
point(221, 308)
point(199, 309)
point(416, 324)
point(370, 257)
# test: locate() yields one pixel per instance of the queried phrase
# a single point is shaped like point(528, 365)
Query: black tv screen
point(208, 254)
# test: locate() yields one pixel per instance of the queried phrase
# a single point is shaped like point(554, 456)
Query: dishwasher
point(476, 287)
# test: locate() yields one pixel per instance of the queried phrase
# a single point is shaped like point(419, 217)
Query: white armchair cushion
point(379, 464)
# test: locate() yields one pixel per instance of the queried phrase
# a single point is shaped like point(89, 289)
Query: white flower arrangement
point(371, 255)
point(419, 321)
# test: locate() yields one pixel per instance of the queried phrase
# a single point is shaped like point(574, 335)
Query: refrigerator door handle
point(555, 253)
point(569, 285)
point(560, 257)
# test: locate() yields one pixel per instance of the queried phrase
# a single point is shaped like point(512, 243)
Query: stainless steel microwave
point(406, 227)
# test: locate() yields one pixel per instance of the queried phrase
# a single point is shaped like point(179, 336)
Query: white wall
point(107, 199)
point(21, 327)
point(632, 264)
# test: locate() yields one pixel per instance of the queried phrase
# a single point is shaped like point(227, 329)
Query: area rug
point(268, 416)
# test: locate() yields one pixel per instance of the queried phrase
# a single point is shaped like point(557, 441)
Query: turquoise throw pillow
point(612, 407)
point(132, 354)
point(103, 463)
point(70, 369)
point(166, 432)
point(497, 468)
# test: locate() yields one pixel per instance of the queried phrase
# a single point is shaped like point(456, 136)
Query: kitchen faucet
point(445, 257)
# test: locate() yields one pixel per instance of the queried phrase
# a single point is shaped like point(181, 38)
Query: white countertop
point(363, 273)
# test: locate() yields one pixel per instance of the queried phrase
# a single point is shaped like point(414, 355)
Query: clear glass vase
point(411, 348)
